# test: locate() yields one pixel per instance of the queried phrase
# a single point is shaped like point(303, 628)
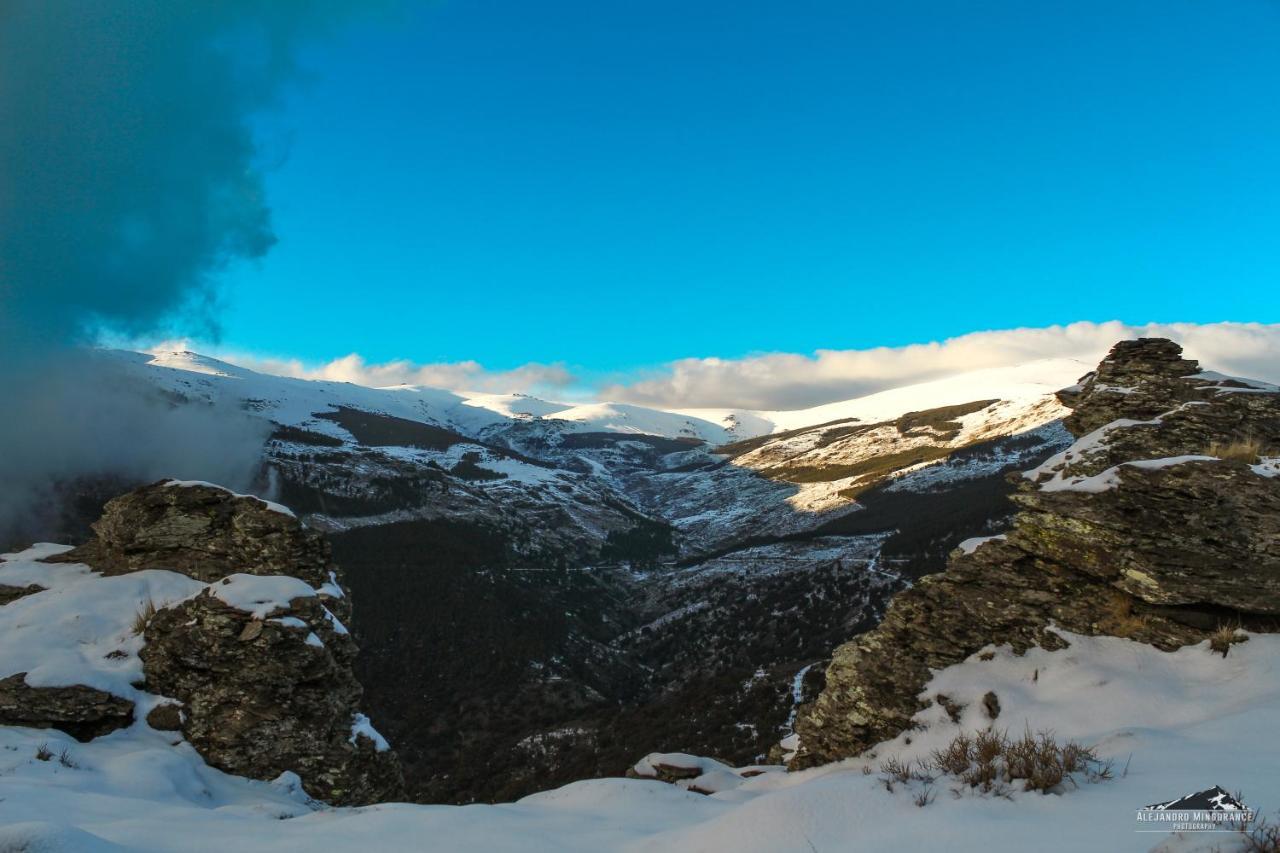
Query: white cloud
point(792, 381)
point(530, 378)
point(774, 381)
point(461, 375)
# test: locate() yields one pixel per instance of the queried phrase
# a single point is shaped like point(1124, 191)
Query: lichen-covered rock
point(1201, 532)
point(257, 666)
point(266, 686)
point(203, 531)
point(80, 711)
point(1138, 380)
point(1138, 530)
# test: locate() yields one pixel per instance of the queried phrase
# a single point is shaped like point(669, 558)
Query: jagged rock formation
point(259, 662)
point(204, 532)
point(1159, 524)
point(270, 690)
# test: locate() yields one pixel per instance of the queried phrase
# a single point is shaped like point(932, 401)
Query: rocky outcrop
point(205, 532)
point(80, 711)
point(257, 667)
point(1159, 524)
point(266, 686)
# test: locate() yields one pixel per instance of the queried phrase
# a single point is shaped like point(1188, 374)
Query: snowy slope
point(835, 452)
point(292, 401)
point(1170, 722)
point(623, 417)
point(1022, 385)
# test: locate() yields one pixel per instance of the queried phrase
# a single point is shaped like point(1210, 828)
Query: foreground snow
point(1178, 722)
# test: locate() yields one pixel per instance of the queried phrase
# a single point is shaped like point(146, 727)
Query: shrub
point(895, 770)
point(924, 796)
point(990, 760)
point(1261, 836)
point(954, 759)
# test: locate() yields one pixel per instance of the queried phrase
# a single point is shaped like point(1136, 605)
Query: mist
point(128, 181)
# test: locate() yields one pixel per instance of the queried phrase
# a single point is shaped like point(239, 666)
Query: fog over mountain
point(130, 181)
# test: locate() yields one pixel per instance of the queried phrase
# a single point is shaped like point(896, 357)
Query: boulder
point(80, 711)
point(165, 717)
point(10, 593)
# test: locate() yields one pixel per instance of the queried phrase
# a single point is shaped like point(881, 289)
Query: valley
point(547, 591)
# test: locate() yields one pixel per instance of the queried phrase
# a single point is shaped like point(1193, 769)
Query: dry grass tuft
point(990, 760)
point(1118, 616)
point(1225, 637)
point(894, 771)
point(1248, 449)
point(143, 616)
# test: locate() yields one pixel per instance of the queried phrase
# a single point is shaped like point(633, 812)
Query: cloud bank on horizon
point(781, 381)
point(792, 381)
point(460, 375)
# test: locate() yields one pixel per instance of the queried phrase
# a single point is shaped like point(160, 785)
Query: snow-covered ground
point(1172, 723)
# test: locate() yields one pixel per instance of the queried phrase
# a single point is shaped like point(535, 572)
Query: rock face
point(260, 661)
point(1159, 524)
point(270, 691)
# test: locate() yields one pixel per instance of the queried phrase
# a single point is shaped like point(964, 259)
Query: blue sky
point(614, 185)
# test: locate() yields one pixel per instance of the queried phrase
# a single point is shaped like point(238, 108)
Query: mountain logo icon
point(1213, 799)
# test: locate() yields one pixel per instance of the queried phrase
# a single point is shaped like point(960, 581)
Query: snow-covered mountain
point(825, 455)
point(292, 401)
